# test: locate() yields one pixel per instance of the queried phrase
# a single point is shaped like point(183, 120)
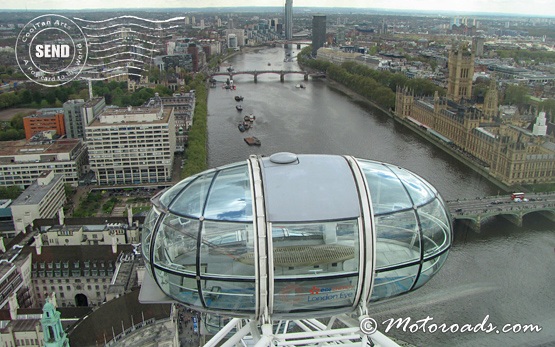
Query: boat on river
point(252, 141)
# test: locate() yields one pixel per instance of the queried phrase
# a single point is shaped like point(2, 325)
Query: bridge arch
point(516, 217)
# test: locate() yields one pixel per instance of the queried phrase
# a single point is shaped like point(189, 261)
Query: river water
point(503, 274)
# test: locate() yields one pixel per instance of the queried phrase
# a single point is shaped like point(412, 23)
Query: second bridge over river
point(473, 211)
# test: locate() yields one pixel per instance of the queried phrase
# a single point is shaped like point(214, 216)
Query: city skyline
point(543, 8)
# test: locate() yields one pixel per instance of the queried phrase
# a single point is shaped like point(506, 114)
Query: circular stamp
point(368, 325)
point(51, 50)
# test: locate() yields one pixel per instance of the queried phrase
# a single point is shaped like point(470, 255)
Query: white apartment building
point(22, 162)
point(42, 199)
point(132, 145)
point(239, 35)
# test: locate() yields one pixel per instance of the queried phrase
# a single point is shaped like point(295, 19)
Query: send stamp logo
point(51, 50)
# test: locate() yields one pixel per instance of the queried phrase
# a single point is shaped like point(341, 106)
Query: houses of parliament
point(513, 152)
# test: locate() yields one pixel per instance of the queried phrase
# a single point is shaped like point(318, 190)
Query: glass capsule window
point(413, 230)
point(315, 262)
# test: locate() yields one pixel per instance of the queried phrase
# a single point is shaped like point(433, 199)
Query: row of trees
point(11, 192)
point(365, 86)
point(115, 93)
point(527, 55)
point(196, 153)
point(378, 86)
point(13, 130)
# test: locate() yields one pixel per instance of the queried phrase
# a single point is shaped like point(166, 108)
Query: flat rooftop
point(93, 101)
point(35, 193)
point(22, 147)
point(122, 111)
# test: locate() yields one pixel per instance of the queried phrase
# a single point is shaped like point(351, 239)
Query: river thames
point(503, 274)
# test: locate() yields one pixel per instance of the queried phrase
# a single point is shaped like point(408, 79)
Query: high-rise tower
point(461, 71)
point(318, 32)
point(288, 19)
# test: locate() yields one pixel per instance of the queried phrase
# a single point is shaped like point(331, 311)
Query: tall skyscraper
point(288, 19)
point(318, 32)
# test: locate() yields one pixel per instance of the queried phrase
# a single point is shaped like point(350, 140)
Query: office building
point(13, 285)
point(239, 34)
point(318, 32)
point(73, 118)
point(288, 20)
point(78, 114)
point(232, 41)
point(478, 45)
point(43, 120)
point(132, 145)
point(42, 199)
point(22, 162)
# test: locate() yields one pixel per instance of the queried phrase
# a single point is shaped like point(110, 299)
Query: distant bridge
point(473, 211)
point(255, 73)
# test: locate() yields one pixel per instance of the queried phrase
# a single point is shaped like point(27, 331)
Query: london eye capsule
point(293, 236)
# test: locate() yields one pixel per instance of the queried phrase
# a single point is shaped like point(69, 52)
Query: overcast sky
point(544, 8)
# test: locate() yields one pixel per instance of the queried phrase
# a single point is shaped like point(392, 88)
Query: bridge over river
point(473, 211)
point(255, 73)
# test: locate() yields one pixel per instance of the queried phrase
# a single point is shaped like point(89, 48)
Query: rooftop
point(34, 194)
point(74, 253)
point(130, 115)
point(93, 101)
point(125, 310)
point(23, 147)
